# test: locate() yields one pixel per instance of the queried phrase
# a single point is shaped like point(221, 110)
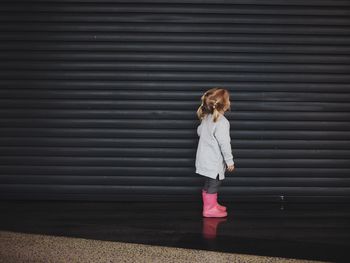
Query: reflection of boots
point(221, 207)
point(209, 226)
point(210, 208)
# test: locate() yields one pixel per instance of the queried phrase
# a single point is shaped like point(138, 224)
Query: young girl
point(214, 153)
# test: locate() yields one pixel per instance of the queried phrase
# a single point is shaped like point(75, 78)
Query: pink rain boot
point(210, 208)
point(221, 207)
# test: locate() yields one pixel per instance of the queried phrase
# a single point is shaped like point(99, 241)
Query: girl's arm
point(222, 135)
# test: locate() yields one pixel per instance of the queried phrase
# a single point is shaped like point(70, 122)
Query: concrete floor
point(116, 230)
point(23, 247)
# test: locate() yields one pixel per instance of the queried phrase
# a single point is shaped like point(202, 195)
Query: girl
point(214, 153)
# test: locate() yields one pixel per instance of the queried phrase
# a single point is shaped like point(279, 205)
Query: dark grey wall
point(98, 98)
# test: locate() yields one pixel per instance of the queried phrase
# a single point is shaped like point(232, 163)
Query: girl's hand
point(230, 168)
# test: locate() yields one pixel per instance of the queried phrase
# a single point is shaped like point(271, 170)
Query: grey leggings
point(211, 185)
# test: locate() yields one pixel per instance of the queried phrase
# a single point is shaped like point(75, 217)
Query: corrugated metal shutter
point(98, 98)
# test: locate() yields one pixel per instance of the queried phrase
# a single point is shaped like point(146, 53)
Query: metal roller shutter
point(98, 98)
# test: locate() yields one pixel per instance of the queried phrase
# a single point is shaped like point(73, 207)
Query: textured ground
point(23, 247)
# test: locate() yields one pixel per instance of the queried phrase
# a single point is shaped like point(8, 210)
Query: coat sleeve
point(199, 129)
point(222, 135)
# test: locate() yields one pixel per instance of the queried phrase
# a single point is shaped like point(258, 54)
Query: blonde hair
point(213, 101)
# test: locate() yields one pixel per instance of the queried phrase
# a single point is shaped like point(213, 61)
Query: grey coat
point(214, 147)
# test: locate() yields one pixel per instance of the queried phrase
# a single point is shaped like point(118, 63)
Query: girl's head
point(214, 101)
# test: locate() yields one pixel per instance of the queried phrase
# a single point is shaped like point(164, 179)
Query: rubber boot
point(221, 207)
point(210, 208)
